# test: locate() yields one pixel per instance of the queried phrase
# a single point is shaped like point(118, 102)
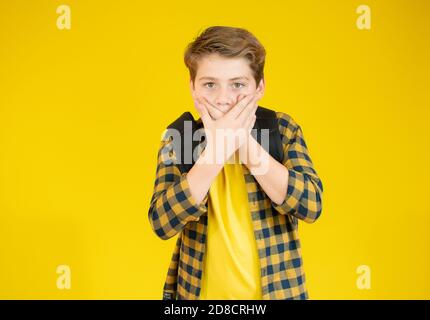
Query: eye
point(209, 85)
point(238, 85)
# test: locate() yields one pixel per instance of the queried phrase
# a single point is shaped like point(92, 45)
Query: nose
point(224, 99)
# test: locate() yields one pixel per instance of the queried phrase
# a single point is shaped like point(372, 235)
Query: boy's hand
point(230, 131)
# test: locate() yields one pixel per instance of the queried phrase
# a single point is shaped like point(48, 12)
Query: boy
point(236, 213)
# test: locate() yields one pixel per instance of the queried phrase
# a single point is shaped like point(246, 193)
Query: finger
point(215, 112)
point(209, 111)
point(240, 97)
point(202, 111)
point(239, 107)
point(249, 109)
point(250, 124)
point(252, 111)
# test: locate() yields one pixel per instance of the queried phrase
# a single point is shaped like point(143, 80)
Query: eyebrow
point(212, 78)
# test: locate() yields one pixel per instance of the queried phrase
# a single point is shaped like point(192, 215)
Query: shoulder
point(172, 135)
point(178, 123)
point(287, 124)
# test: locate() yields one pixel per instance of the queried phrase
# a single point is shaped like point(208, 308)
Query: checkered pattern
point(173, 211)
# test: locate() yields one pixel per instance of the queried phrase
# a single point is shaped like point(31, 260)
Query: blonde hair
point(228, 42)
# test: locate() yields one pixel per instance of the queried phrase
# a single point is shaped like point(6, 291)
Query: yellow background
point(82, 111)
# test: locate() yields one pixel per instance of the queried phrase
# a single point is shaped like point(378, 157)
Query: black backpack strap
point(266, 119)
point(183, 142)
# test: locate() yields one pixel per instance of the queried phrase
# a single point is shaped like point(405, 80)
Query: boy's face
point(222, 80)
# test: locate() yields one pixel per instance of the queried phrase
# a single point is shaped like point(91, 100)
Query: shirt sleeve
point(304, 193)
point(172, 205)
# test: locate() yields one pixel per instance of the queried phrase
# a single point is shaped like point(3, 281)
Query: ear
point(192, 87)
point(261, 88)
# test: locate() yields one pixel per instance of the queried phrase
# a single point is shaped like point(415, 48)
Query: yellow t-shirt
point(231, 267)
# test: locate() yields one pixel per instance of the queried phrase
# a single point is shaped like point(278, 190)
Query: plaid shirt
point(173, 211)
